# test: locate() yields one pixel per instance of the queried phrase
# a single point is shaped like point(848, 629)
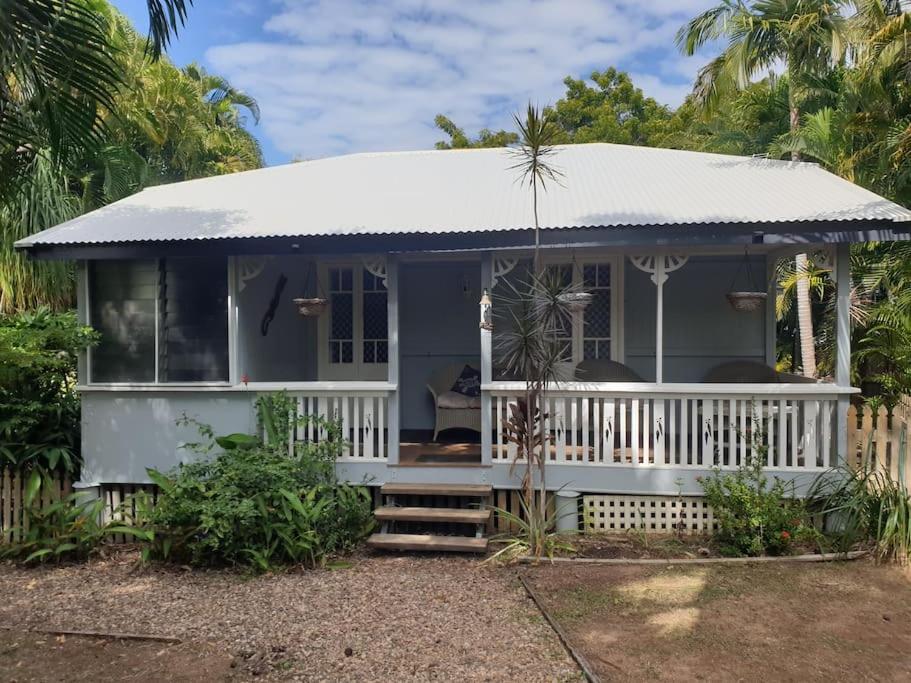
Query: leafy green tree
point(458, 139)
point(613, 109)
point(158, 124)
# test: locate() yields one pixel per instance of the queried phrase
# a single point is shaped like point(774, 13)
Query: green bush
point(865, 505)
point(754, 517)
point(254, 504)
point(39, 407)
point(66, 529)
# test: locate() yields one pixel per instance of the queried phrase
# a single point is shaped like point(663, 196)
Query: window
point(160, 321)
point(596, 323)
point(592, 329)
point(356, 331)
point(122, 302)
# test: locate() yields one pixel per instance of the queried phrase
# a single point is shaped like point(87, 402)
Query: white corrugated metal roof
point(475, 190)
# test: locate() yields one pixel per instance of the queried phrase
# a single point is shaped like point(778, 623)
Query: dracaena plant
point(532, 344)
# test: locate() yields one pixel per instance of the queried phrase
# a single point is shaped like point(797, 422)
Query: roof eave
point(700, 234)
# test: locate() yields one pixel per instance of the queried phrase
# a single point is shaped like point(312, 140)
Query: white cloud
point(335, 76)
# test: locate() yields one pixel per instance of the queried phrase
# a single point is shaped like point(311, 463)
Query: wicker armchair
point(452, 408)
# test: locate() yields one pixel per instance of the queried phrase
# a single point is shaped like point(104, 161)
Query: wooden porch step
point(472, 490)
point(425, 514)
point(429, 542)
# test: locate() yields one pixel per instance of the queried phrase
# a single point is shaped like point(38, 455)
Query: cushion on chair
point(455, 400)
point(468, 383)
point(603, 370)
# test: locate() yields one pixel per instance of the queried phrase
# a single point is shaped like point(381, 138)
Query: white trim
point(328, 387)
point(658, 390)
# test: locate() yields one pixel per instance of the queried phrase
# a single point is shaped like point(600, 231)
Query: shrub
point(39, 407)
point(754, 517)
point(865, 505)
point(255, 504)
point(69, 528)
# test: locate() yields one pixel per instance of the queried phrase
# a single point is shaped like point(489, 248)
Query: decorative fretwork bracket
point(376, 266)
point(502, 266)
point(248, 268)
point(659, 265)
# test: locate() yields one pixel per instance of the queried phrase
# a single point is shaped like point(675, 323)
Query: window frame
point(85, 306)
point(357, 370)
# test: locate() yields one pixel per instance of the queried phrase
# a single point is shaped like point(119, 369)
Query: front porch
point(394, 322)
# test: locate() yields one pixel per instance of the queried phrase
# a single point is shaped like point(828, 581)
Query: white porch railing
point(364, 416)
point(682, 426)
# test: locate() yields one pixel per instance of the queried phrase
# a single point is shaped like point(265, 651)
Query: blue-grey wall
point(438, 326)
point(701, 329)
point(123, 433)
point(288, 352)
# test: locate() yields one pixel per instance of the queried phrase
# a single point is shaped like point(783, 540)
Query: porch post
point(659, 277)
point(843, 344)
point(392, 309)
point(486, 367)
point(658, 266)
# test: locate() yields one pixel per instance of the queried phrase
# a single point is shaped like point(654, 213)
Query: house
point(192, 287)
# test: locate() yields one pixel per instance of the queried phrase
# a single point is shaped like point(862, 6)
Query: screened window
point(160, 321)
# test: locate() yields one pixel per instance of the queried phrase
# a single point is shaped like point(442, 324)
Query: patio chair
point(453, 410)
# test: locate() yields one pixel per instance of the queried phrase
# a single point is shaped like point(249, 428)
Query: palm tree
point(58, 71)
point(808, 36)
point(159, 124)
point(537, 135)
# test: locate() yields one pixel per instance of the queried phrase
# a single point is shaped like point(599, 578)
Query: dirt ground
point(27, 657)
point(825, 621)
point(377, 618)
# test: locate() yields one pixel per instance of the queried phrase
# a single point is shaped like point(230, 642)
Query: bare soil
point(643, 546)
point(27, 656)
point(375, 618)
point(823, 621)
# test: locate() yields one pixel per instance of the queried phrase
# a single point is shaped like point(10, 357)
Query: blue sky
point(338, 76)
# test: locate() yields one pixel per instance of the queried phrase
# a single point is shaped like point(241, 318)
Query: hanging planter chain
point(747, 300)
point(315, 306)
point(576, 301)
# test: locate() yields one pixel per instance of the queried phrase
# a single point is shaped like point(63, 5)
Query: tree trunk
point(805, 319)
point(804, 308)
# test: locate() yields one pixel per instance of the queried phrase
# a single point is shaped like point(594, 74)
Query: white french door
point(353, 333)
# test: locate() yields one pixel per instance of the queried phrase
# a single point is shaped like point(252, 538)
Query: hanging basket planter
point(311, 308)
point(576, 301)
point(752, 297)
point(746, 302)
